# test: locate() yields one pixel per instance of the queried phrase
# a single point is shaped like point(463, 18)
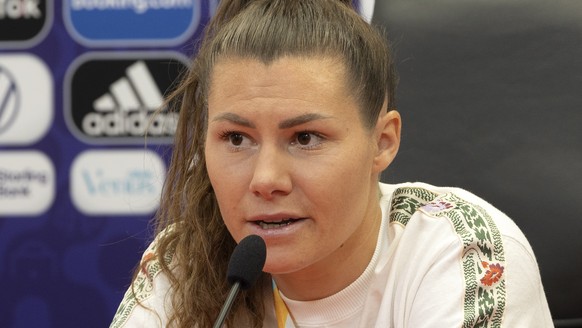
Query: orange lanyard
point(284, 319)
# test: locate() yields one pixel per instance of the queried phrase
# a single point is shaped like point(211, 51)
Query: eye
point(307, 140)
point(236, 140)
point(304, 138)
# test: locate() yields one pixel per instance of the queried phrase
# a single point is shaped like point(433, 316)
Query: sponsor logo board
point(116, 100)
point(122, 182)
point(23, 22)
point(27, 183)
point(26, 99)
point(121, 22)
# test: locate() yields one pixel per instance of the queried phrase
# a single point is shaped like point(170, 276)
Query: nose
point(271, 176)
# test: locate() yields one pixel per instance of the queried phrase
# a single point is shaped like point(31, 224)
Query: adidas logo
point(128, 109)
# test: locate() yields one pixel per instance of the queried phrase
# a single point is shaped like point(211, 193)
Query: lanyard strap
point(284, 319)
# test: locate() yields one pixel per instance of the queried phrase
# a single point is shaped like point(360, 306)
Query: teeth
point(274, 225)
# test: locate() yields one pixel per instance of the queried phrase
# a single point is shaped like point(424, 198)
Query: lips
point(275, 224)
point(275, 221)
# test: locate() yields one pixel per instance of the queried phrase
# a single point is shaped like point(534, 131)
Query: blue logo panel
point(140, 22)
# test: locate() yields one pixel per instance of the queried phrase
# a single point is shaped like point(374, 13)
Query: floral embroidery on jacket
point(143, 285)
point(493, 274)
point(483, 256)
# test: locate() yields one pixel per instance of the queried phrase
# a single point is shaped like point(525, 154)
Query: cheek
point(350, 168)
point(228, 181)
point(222, 187)
point(216, 174)
point(213, 171)
point(346, 180)
point(216, 166)
point(335, 187)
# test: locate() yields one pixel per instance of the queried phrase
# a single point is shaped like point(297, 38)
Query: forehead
point(278, 91)
point(308, 76)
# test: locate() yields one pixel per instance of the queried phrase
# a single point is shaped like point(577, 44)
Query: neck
point(338, 270)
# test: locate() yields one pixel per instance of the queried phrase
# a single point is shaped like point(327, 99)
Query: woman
point(287, 120)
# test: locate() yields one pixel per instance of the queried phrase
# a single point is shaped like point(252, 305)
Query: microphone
point(244, 268)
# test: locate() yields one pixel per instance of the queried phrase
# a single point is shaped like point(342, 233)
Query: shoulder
point(496, 265)
point(433, 218)
point(147, 296)
point(455, 205)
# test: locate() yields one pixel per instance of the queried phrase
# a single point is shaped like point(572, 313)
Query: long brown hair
point(264, 30)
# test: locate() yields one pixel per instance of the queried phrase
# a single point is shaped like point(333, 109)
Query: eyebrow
point(301, 119)
point(286, 124)
point(234, 118)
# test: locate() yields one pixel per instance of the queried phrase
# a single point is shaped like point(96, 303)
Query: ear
point(387, 137)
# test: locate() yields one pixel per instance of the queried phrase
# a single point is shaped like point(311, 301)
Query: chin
point(277, 268)
point(282, 265)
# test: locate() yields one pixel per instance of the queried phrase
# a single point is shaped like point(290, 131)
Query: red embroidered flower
point(145, 261)
point(493, 274)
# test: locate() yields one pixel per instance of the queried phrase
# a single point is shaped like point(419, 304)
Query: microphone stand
point(244, 268)
point(227, 304)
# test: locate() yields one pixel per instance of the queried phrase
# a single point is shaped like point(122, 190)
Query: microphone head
point(247, 261)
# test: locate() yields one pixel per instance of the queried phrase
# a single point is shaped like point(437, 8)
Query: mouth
point(267, 225)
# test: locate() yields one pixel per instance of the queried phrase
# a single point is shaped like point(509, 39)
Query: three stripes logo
point(117, 100)
point(125, 109)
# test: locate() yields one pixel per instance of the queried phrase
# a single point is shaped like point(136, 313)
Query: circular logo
point(9, 99)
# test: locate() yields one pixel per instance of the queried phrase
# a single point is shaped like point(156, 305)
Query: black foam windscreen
point(247, 261)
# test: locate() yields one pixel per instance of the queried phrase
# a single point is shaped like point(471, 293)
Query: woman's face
point(290, 160)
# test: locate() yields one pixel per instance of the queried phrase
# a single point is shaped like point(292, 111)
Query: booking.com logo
point(131, 22)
